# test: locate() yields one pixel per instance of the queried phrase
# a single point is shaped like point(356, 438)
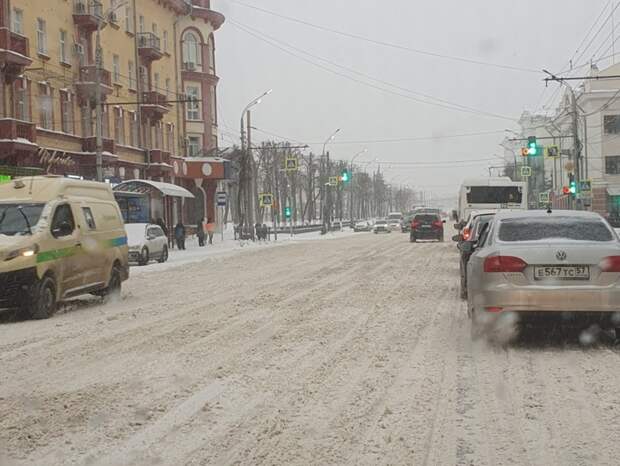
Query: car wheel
point(164, 255)
point(144, 256)
point(113, 291)
point(43, 303)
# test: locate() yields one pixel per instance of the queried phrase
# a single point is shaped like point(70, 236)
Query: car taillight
point(610, 264)
point(437, 224)
point(504, 264)
point(466, 234)
point(415, 225)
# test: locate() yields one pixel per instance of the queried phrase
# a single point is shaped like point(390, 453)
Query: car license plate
point(562, 272)
point(426, 226)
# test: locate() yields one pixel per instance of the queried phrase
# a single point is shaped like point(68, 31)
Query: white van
point(59, 238)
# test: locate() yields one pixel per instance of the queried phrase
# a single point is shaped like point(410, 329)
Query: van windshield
point(19, 218)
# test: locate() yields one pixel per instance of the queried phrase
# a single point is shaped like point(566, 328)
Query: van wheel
point(164, 255)
point(43, 303)
point(113, 291)
point(144, 257)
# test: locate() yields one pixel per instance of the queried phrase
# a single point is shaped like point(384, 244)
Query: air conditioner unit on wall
point(190, 66)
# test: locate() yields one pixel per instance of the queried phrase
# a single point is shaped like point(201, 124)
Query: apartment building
point(155, 52)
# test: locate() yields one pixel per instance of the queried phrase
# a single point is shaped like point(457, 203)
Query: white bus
point(491, 194)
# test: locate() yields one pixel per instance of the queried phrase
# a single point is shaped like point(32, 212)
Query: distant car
point(394, 224)
point(426, 226)
point(405, 226)
point(146, 242)
point(534, 266)
point(381, 226)
point(362, 226)
point(476, 224)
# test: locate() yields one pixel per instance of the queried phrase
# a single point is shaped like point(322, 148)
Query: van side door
point(66, 250)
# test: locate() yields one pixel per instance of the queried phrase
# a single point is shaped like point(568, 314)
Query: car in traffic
point(475, 225)
point(146, 242)
point(534, 267)
point(59, 238)
point(381, 226)
point(363, 225)
point(426, 226)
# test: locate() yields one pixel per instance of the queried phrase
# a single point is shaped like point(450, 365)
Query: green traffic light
point(345, 177)
point(573, 187)
point(287, 212)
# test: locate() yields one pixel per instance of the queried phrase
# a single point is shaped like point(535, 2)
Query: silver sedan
point(534, 266)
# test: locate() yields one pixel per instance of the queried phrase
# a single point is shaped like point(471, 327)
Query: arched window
point(192, 54)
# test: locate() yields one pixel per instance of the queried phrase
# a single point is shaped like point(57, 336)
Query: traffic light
point(532, 147)
point(525, 152)
point(572, 184)
point(287, 212)
point(345, 176)
point(566, 190)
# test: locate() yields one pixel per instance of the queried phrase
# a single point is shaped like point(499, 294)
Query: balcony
point(90, 145)
point(198, 72)
point(88, 14)
point(87, 83)
point(154, 105)
point(202, 9)
point(160, 163)
point(149, 46)
point(17, 135)
point(160, 157)
point(14, 52)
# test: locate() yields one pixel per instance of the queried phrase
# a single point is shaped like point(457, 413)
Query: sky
point(498, 50)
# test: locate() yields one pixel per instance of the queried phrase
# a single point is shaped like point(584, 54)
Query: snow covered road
point(349, 351)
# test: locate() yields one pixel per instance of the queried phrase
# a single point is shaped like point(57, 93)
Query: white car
point(146, 242)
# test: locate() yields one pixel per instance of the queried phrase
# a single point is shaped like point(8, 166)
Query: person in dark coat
point(200, 232)
point(179, 235)
point(162, 224)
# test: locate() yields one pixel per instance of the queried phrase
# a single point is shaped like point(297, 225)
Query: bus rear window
point(494, 195)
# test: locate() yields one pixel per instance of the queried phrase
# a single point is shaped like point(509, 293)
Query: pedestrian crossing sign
point(543, 198)
point(291, 164)
point(526, 171)
point(552, 152)
point(265, 199)
point(333, 180)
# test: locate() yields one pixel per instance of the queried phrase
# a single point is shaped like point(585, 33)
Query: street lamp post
point(351, 183)
point(247, 179)
point(324, 186)
point(98, 113)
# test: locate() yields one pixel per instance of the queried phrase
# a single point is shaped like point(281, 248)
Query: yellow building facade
point(155, 52)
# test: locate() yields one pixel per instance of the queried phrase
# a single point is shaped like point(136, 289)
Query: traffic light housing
point(566, 190)
point(572, 184)
point(345, 176)
point(287, 212)
point(532, 147)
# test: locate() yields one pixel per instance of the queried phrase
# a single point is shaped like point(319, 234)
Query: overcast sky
point(309, 102)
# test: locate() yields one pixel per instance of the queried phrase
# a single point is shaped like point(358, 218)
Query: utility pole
point(576, 143)
point(274, 198)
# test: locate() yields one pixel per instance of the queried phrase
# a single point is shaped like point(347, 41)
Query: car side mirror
point(456, 238)
point(467, 246)
point(64, 229)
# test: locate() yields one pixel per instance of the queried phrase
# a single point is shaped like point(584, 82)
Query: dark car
point(426, 226)
point(476, 224)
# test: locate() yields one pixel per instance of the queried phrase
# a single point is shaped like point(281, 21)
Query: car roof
point(534, 214)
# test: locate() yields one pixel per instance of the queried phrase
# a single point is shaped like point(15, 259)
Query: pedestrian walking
point(179, 235)
point(210, 230)
point(162, 224)
point(200, 232)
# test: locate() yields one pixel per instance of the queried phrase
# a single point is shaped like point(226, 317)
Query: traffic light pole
point(576, 144)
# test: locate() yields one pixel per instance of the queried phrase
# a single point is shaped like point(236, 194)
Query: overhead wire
point(387, 44)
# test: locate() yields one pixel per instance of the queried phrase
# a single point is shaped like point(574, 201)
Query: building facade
point(157, 85)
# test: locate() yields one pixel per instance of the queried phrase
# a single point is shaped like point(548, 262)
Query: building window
point(87, 121)
point(193, 106)
point(167, 87)
point(116, 68)
point(18, 21)
point(128, 20)
point(132, 75)
point(156, 81)
point(66, 112)
point(211, 49)
point(119, 126)
point(193, 146)
point(165, 41)
point(170, 137)
point(105, 122)
point(159, 136)
point(611, 124)
point(41, 36)
point(612, 165)
point(154, 28)
point(64, 56)
point(141, 23)
point(133, 129)
point(22, 99)
point(45, 106)
point(192, 56)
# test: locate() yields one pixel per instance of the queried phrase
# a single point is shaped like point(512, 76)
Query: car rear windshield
point(567, 228)
point(426, 218)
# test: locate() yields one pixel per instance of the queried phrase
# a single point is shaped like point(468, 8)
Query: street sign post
point(585, 186)
point(221, 198)
point(333, 180)
point(526, 171)
point(543, 198)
